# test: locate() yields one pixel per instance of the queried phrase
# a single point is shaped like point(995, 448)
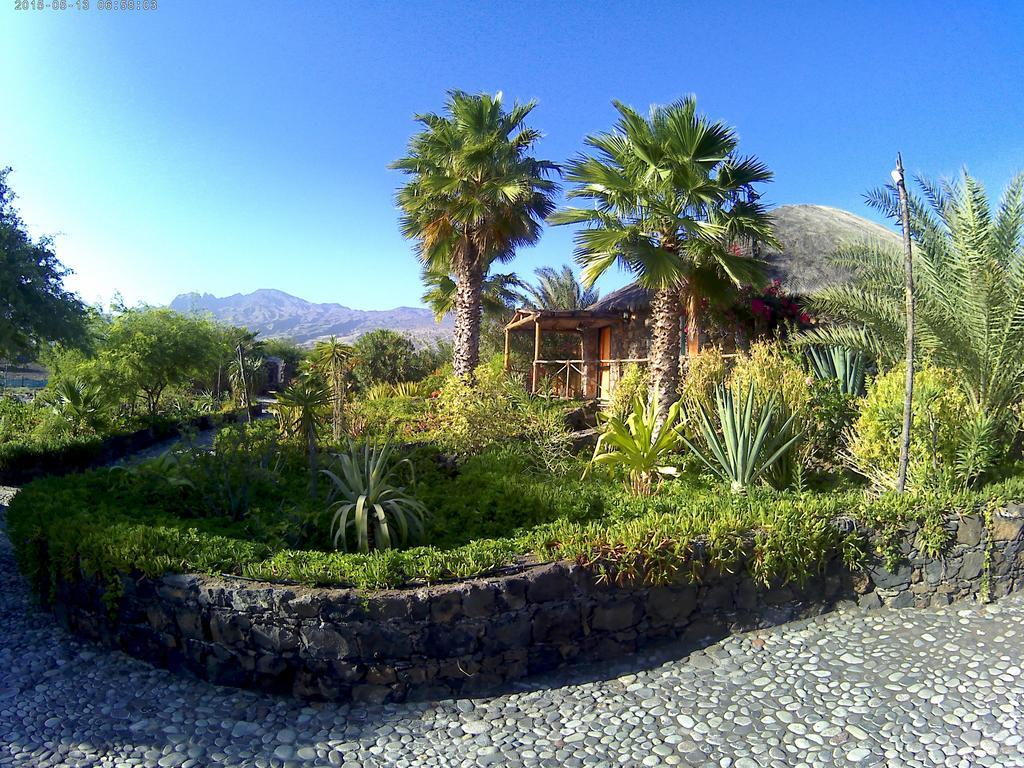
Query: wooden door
point(604, 366)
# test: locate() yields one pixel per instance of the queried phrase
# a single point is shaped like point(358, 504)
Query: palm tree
point(499, 293)
point(559, 289)
point(671, 201)
point(474, 195)
point(968, 265)
point(300, 414)
point(246, 367)
point(332, 359)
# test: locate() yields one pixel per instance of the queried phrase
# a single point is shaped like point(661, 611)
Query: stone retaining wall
point(474, 636)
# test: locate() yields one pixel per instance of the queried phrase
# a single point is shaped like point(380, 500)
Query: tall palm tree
point(559, 289)
point(670, 201)
point(968, 267)
point(499, 293)
point(332, 359)
point(474, 195)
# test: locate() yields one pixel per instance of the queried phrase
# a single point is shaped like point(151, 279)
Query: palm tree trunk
point(468, 306)
point(665, 343)
point(692, 323)
point(338, 416)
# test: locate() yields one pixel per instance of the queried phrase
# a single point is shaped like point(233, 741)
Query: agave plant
point(840, 363)
point(369, 505)
point(639, 445)
point(745, 441)
point(379, 391)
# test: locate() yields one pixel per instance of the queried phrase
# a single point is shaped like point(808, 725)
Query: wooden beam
point(536, 352)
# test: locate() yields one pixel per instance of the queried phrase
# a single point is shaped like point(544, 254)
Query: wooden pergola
point(558, 321)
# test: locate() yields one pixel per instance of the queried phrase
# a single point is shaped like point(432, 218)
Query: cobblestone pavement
point(887, 688)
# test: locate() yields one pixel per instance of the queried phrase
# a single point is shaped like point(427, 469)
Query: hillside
point(278, 314)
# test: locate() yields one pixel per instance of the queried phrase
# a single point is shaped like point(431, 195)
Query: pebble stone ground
point(886, 688)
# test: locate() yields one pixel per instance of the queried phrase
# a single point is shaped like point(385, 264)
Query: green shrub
point(939, 410)
point(705, 372)
point(635, 380)
point(495, 410)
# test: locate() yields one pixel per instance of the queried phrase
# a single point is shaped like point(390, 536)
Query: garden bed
point(474, 636)
point(22, 463)
point(526, 569)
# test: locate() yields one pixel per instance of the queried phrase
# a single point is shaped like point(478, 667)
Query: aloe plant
point(373, 508)
point(744, 441)
point(844, 365)
point(639, 445)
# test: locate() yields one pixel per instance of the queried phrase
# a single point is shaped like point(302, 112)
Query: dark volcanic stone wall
point(471, 637)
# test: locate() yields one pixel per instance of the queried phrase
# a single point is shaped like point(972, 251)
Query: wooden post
point(908, 269)
point(536, 353)
point(507, 351)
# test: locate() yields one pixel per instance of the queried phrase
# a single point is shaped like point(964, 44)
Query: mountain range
point(276, 314)
point(808, 236)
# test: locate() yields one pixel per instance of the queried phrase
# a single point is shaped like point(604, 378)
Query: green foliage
point(639, 446)
point(969, 286)
point(635, 380)
point(939, 412)
point(369, 505)
point(979, 448)
point(844, 365)
point(490, 512)
point(497, 409)
point(287, 350)
point(390, 357)
point(826, 424)
point(301, 412)
point(499, 294)
point(744, 441)
point(389, 417)
point(81, 404)
point(559, 289)
point(230, 480)
point(36, 306)
point(705, 372)
point(150, 349)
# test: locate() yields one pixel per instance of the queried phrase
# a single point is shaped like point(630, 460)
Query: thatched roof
point(809, 235)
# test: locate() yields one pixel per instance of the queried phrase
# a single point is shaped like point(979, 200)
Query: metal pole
point(908, 269)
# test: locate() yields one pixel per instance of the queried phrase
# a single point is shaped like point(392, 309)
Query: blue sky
point(228, 147)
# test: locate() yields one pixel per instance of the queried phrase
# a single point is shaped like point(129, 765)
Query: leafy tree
point(969, 284)
point(671, 199)
point(34, 305)
point(291, 353)
point(474, 195)
point(559, 289)
point(386, 355)
point(151, 349)
point(499, 294)
point(332, 359)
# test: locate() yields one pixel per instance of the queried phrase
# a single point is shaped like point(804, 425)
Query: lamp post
point(908, 270)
